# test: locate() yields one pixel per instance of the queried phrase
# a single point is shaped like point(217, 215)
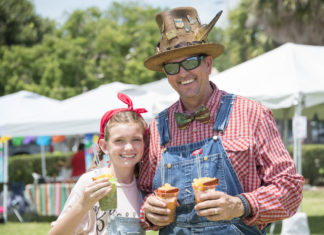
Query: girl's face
point(125, 145)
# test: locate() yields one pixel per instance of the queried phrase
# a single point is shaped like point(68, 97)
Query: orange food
point(203, 185)
point(104, 175)
point(170, 195)
point(167, 188)
point(205, 182)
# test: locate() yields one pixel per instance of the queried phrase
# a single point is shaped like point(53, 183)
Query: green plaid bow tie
point(183, 120)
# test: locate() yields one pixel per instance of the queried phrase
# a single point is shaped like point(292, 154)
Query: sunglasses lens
point(171, 68)
point(191, 63)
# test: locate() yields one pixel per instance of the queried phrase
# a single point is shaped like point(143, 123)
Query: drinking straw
point(162, 170)
point(94, 147)
point(198, 165)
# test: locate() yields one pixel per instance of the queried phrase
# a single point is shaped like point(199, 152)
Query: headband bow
point(105, 118)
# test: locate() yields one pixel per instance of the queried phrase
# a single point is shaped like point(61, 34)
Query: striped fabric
point(264, 167)
point(48, 199)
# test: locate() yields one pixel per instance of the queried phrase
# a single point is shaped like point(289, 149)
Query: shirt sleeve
point(281, 191)
point(88, 221)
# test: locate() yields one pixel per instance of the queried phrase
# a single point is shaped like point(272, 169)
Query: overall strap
point(224, 112)
point(163, 127)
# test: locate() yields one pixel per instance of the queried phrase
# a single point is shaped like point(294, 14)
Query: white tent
point(81, 114)
point(280, 78)
point(23, 106)
point(18, 107)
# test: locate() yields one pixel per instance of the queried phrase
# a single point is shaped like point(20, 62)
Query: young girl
point(122, 138)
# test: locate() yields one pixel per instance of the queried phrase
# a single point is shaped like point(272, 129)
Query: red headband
point(105, 118)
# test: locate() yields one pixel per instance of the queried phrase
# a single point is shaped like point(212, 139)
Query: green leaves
point(90, 49)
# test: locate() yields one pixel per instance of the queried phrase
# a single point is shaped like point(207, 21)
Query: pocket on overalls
point(237, 149)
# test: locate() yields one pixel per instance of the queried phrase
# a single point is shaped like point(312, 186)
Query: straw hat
point(182, 34)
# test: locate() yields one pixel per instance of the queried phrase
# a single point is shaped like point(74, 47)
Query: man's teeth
point(128, 156)
point(187, 82)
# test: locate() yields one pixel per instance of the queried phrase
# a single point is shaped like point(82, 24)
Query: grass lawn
point(313, 206)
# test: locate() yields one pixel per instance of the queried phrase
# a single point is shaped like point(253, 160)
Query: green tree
point(240, 41)
point(20, 25)
point(299, 21)
point(90, 49)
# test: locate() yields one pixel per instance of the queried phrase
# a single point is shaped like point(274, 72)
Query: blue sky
point(207, 9)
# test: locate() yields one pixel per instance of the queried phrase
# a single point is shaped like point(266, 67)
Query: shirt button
point(169, 165)
point(205, 158)
point(195, 130)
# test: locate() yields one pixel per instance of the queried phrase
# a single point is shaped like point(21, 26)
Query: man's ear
point(103, 146)
point(209, 62)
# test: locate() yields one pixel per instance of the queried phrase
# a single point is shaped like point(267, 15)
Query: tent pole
point(5, 180)
point(43, 161)
point(298, 141)
point(298, 223)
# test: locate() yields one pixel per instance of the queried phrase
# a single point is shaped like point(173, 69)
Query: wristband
point(245, 205)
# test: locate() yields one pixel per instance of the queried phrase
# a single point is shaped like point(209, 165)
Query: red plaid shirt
point(265, 169)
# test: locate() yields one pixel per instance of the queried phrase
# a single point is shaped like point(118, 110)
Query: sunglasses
point(188, 64)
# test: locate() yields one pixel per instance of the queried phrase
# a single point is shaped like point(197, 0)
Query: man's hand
point(217, 205)
point(156, 211)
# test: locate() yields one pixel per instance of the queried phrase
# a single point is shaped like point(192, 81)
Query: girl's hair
point(121, 118)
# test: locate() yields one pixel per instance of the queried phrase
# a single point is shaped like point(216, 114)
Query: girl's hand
point(95, 191)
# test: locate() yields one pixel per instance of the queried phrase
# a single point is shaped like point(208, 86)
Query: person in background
point(122, 137)
point(77, 163)
point(211, 133)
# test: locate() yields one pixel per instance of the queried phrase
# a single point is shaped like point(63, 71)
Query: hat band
point(179, 45)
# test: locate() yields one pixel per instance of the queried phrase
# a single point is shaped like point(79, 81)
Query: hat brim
point(155, 62)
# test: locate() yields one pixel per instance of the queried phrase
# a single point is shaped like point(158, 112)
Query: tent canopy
point(278, 77)
point(81, 114)
point(23, 106)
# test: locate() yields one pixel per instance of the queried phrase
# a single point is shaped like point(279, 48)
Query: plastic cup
point(109, 201)
point(171, 197)
point(201, 188)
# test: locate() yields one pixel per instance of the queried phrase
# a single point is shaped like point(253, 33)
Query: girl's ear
point(103, 146)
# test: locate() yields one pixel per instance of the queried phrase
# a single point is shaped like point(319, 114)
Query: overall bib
point(119, 225)
point(178, 167)
point(124, 226)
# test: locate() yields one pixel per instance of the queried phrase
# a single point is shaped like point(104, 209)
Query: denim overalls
point(118, 225)
point(179, 167)
point(124, 226)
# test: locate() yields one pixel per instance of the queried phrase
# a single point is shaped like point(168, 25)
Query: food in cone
point(109, 201)
point(203, 185)
point(170, 195)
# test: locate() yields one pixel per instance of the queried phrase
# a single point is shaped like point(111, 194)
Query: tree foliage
point(19, 25)
point(240, 41)
point(95, 47)
point(299, 21)
point(90, 49)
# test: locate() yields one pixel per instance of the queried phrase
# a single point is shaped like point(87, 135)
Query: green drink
point(109, 201)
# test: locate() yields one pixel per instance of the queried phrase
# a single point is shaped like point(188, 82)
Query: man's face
point(192, 83)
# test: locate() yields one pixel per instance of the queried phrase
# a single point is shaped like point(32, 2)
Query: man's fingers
point(160, 220)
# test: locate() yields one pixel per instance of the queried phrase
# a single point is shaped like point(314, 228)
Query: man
point(210, 133)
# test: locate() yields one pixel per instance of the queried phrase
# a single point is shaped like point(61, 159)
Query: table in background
point(49, 198)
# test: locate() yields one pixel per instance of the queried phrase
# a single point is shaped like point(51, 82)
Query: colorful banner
point(43, 140)
point(88, 141)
